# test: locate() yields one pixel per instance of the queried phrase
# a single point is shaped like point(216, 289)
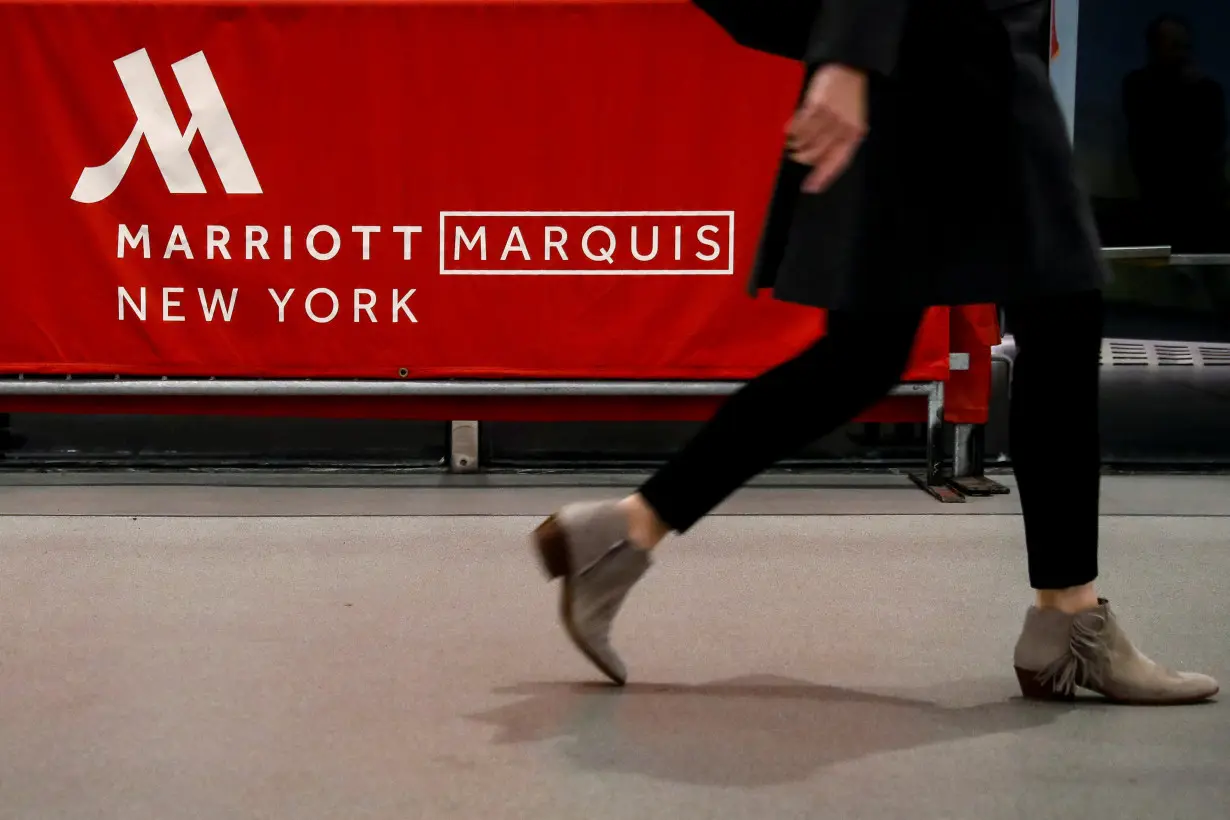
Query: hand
point(829, 125)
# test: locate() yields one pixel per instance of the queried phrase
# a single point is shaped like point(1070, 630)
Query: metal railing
point(1166, 253)
point(164, 387)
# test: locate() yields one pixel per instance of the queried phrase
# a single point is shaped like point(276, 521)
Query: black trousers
point(861, 358)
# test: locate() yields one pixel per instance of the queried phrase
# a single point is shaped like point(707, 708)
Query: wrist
point(847, 71)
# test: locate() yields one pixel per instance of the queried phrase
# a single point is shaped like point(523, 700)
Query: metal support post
point(965, 461)
point(933, 481)
point(969, 454)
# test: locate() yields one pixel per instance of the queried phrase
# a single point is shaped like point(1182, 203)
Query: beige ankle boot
point(1058, 652)
point(587, 545)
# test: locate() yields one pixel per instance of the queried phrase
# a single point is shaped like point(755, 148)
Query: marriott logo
point(157, 126)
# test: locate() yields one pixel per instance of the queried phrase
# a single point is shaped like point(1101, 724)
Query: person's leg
point(859, 360)
point(1071, 638)
point(601, 550)
point(1054, 415)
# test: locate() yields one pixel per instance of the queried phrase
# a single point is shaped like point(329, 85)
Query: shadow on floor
point(747, 732)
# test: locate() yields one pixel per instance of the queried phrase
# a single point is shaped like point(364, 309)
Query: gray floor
point(181, 650)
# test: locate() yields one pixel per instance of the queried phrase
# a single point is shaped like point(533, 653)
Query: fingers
point(829, 126)
point(826, 144)
point(809, 121)
point(830, 166)
point(814, 134)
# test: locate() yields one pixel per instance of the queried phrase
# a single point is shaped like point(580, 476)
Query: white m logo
point(156, 122)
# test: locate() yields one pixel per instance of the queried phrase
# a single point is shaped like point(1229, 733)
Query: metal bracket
point(978, 486)
point(463, 447)
point(940, 492)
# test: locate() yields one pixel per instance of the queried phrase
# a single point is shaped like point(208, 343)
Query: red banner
point(537, 190)
point(973, 331)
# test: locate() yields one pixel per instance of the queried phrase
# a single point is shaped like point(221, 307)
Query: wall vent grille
point(1133, 353)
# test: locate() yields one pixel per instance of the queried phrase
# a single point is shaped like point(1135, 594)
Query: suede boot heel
point(587, 546)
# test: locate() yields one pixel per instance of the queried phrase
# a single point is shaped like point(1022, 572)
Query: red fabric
point(974, 329)
point(384, 114)
point(1054, 33)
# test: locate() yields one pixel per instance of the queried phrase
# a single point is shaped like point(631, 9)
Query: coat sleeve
point(862, 34)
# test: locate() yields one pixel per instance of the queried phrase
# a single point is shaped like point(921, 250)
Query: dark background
point(1183, 142)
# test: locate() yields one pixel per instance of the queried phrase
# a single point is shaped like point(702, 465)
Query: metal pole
point(293, 388)
point(935, 433)
point(932, 481)
point(1199, 259)
point(963, 461)
point(1140, 252)
point(465, 445)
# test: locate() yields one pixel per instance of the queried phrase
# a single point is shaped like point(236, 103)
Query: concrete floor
point(392, 652)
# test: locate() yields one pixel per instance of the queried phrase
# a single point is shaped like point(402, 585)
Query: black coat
point(964, 190)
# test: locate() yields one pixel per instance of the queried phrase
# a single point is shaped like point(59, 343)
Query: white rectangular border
point(444, 216)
